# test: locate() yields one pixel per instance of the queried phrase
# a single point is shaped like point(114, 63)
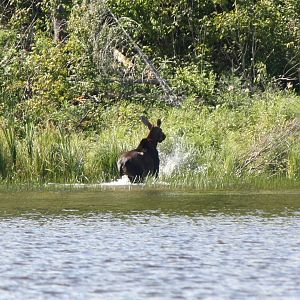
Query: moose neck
point(152, 142)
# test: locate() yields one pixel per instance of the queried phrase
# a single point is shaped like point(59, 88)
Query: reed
point(11, 143)
point(3, 162)
point(204, 149)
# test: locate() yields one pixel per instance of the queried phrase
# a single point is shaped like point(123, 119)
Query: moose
point(143, 161)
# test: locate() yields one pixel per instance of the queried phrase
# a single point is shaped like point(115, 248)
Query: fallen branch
point(141, 81)
point(172, 98)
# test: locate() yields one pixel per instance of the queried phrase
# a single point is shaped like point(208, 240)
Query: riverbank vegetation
point(75, 77)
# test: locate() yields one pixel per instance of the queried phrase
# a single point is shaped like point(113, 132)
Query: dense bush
point(194, 45)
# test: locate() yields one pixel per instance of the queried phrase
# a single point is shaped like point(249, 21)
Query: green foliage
point(74, 103)
point(293, 162)
point(190, 80)
point(170, 27)
point(195, 45)
point(10, 138)
point(257, 36)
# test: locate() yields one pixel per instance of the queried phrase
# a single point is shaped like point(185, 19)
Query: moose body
point(143, 161)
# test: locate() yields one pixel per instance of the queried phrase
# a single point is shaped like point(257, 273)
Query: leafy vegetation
point(75, 76)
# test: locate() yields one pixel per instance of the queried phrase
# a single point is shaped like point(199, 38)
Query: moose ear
point(146, 122)
point(158, 122)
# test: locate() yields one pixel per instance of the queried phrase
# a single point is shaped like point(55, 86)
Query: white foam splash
point(123, 181)
point(180, 157)
point(175, 160)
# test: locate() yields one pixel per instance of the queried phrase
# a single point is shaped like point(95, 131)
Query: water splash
point(180, 157)
point(173, 161)
point(123, 181)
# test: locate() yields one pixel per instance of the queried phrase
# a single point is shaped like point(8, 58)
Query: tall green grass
point(218, 147)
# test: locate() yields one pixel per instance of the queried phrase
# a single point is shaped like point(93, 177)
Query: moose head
point(156, 134)
point(143, 161)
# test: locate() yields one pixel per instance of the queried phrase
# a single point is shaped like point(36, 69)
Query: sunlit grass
point(206, 148)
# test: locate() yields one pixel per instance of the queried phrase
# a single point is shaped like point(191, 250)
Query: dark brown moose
point(143, 161)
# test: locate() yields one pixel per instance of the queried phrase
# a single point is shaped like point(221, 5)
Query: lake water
point(149, 244)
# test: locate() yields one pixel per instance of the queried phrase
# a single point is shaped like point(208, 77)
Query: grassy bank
point(250, 144)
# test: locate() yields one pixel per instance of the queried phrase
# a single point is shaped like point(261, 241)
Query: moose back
point(143, 161)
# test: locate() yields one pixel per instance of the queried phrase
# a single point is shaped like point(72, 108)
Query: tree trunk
point(59, 23)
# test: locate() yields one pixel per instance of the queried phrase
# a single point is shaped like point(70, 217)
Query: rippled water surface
point(149, 244)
